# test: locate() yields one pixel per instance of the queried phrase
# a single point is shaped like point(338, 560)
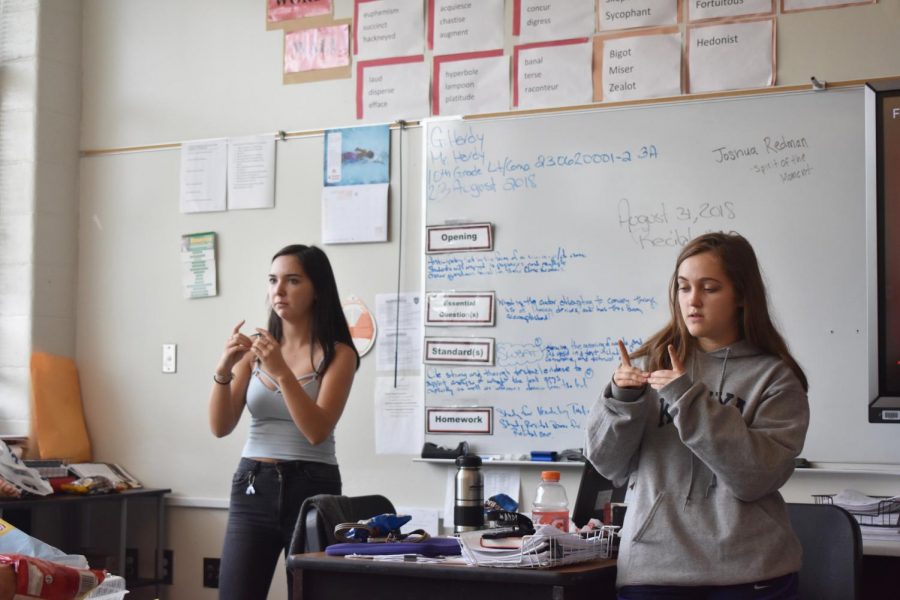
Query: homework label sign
point(460, 420)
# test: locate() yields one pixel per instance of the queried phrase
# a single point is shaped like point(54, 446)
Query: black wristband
point(224, 381)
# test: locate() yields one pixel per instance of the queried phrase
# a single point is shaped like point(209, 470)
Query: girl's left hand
point(268, 351)
point(659, 379)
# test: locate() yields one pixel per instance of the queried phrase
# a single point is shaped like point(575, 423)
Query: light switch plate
point(169, 360)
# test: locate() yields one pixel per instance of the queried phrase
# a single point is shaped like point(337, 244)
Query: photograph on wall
point(357, 155)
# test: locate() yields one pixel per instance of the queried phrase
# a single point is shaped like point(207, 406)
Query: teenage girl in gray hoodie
point(704, 428)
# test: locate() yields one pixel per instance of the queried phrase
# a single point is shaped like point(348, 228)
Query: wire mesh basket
point(548, 547)
point(885, 514)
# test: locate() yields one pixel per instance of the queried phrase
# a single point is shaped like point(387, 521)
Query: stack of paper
point(115, 473)
point(890, 534)
point(878, 516)
point(855, 501)
point(547, 547)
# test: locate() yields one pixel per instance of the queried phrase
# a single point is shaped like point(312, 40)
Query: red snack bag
point(36, 578)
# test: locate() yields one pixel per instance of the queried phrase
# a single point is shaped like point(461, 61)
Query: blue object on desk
point(504, 502)
point(436, 546)
point(543, 456)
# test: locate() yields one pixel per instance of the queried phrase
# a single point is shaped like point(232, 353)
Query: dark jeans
point(260, 525)
point(779, 588)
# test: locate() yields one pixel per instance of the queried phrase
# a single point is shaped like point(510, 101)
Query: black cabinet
point(120, 532)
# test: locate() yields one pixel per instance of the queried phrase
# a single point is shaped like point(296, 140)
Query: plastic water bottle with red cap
point(551, 505)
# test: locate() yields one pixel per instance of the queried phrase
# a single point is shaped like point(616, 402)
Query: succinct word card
point(464, 84)
point(731, 56)
point(457, 26)
point(390, 89)
point(544, 20)
point(552, 74)
point(628, 14)
point(699, 10)
point(386, 28)
point(637, 66)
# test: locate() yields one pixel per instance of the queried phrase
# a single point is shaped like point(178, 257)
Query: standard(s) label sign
point(459, 351)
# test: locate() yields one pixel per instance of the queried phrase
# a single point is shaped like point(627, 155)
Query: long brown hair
point(329, 325)
point(738, 260)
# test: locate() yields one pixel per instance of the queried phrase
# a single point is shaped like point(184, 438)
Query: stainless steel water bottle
point(468, 510)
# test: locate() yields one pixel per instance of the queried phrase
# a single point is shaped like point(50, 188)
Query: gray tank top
point(273, 433)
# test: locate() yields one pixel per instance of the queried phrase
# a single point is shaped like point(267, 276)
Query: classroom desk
point(97, 526)
point(318, 576)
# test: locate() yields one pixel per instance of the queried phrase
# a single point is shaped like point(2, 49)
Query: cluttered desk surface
point(317, 575)
point(58, 497)
point(459, 569)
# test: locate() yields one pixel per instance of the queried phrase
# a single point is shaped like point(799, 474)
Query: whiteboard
point(590, 210)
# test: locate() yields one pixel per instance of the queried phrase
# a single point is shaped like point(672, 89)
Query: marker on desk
point(489, 457)
point(543, 456)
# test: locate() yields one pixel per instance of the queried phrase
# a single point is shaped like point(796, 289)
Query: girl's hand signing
point(659, 379)
point(627, 376)
point(236, 347)
point(268, 351)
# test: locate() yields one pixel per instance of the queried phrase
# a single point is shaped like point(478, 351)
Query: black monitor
point(883, 115)
point(594, 492)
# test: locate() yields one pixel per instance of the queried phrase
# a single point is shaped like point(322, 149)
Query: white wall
point(171, 71)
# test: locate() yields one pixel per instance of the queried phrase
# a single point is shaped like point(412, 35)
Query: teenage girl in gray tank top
point(294, 379)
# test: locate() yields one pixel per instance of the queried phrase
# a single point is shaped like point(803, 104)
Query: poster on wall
point(399, 412)
point(354, 214)
point(547, 20)
point(251, 172)
point(465, 84)
point(637, 65)
point(204, 164)
point(289, 14)
point(799, 5)
point(357, 155)
point(361, 324)
point(356, 177)
point(614, 14)
point(198, 265)
point(389, 28)
point(392, 88)
point(317, 48)
point(701, 11)
point(550, 74)
point(731, 56)
point(456, 27)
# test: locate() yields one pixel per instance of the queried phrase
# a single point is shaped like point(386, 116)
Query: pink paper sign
point(288, 10)
point(316, 48)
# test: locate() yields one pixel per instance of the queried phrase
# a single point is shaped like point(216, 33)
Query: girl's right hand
point(627, 376)
point(236, 347)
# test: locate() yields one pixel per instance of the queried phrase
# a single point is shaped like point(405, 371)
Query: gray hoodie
point(704, 458)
